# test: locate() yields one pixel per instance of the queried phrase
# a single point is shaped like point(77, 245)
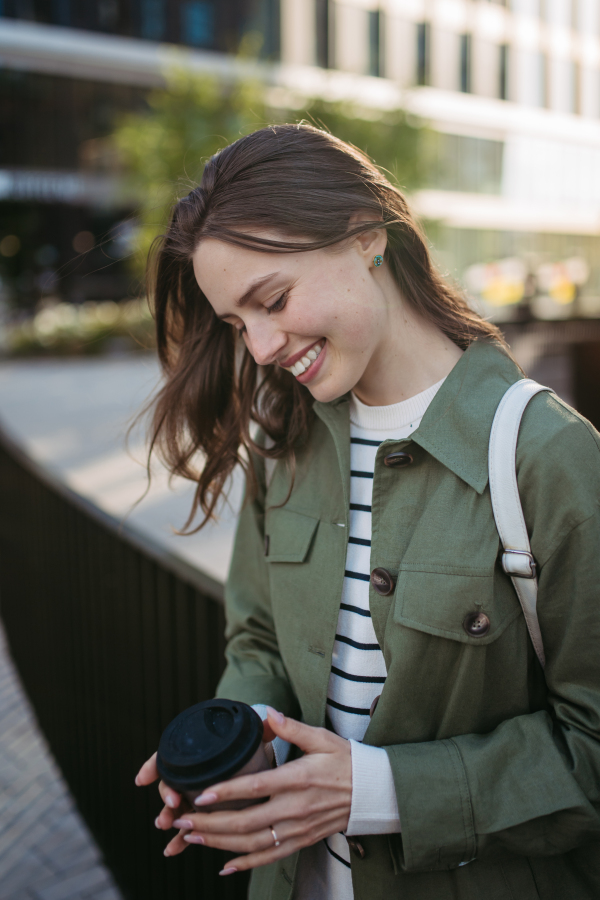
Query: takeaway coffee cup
point(208, 743)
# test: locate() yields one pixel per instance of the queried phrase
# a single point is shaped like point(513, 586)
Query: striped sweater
point(358, 670)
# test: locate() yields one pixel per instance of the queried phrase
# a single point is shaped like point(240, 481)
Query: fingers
point(308, 738)
point(257, 858)
point(148, 773)
point(263, 839)
point(176, 845)
point(297, 805)
point(268, 733)
point(170, 798)
point(293, 776)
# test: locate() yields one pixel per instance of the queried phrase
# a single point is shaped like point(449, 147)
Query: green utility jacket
point(492, 762)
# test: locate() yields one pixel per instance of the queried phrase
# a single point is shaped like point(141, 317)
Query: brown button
point(356, 847)
point(397, 460)
point(374, 705)
point(476, 624)
point(382, 582)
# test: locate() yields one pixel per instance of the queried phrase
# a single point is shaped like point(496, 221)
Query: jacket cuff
point(280, 747)
point(438, 831)
point(374, 807)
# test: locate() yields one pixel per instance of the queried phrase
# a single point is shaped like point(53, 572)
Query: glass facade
point(209, 24)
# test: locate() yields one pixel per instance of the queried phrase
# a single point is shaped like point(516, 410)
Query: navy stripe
point(365, 679)
point(360, 507)
point(355, 473)
point(355, 710)
point(357, 644)
point(362, 541)
point(365, 442)
point(335, 856)
point(359, 575)
point(355, 609)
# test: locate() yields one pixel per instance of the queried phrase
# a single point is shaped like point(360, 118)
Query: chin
point(328, 391)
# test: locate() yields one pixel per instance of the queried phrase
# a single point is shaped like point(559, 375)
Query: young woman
point(432, 758)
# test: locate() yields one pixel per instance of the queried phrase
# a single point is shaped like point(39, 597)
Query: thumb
point(306, 737)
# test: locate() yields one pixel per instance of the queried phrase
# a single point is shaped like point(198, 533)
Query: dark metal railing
point(112, 636)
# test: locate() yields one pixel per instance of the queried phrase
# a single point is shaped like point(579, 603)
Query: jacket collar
point(456, 426)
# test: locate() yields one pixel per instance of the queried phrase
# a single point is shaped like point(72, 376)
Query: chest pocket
point(472, 606)
point(288, 535)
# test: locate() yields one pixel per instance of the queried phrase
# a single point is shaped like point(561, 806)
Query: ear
point(369, 243)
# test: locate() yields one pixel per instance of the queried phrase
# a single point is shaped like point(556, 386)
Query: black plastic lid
point(208, 743)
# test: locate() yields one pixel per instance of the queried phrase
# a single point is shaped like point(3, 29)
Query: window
point(423, 52)
point(375, 48)
point(197, 23)
point(61, 12)
point(465, 63)
point(153, 19)
point(323, 12)
point(503, 72)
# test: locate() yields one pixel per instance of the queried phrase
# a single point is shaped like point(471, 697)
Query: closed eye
point(279, 303)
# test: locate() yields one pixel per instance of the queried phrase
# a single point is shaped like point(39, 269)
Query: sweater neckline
point(395, 415)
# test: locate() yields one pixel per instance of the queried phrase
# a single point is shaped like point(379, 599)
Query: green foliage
point(164, 148)
point(394, 143)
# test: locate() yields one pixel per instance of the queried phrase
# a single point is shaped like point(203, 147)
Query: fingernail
point(183, 823)
point(170, 802)
point(194, 839)
point(279, 717)
point(166, 852)
point(228, 870)
point(137, 780)
point(205, 798)
point(156, 822)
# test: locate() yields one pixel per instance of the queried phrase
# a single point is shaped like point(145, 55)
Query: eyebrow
point(252, 290)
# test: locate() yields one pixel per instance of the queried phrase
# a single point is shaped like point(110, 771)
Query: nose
point(265, 342)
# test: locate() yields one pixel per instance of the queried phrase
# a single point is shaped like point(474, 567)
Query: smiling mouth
point(304, 364)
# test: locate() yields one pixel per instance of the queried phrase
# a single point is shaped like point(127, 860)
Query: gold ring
point(275, 839)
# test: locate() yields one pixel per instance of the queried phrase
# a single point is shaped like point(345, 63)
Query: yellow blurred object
point(563, 291)
point(499, 292)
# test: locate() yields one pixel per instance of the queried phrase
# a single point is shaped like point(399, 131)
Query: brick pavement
point(46, 851)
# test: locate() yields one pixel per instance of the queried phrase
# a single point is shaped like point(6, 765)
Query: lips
point(303, 364)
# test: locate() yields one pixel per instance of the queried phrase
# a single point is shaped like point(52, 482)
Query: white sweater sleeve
point(280, 747)
point(374, 807)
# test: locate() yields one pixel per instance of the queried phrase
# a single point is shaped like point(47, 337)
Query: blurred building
point(67, 68)
point(511, 89)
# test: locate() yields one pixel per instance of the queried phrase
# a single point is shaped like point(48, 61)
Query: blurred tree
point(396, 143)
point(164, 148)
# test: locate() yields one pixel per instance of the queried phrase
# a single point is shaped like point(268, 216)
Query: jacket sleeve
point(254, 672)
point(532, 786)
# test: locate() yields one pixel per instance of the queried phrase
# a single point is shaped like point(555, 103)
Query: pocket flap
point(440, 603)
point(290, 535)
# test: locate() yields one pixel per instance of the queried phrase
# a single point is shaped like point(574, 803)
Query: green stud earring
point(378, 260)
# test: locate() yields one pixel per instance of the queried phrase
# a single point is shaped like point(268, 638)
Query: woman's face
point(323, 315)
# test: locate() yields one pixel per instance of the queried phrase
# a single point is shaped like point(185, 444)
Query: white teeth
point(303, 364)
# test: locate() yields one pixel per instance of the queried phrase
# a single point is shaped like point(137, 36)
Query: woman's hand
point(175, 804)
point(310, 798)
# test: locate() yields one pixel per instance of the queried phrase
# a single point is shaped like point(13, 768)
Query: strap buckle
point(520, 563)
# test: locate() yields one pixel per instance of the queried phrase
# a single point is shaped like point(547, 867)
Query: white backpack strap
point(517, 559)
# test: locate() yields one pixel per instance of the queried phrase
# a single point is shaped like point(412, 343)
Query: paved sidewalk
point(46, 851)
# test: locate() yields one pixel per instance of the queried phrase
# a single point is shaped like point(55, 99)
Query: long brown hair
point(300, 182)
